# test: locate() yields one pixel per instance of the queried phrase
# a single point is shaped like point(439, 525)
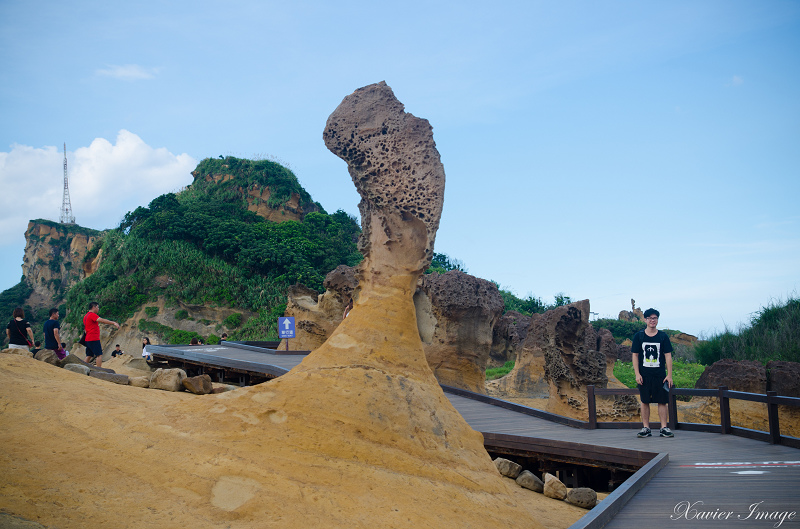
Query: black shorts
point(651, 390)
point(94, 349)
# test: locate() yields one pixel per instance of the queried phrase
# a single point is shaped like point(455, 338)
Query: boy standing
point(652, 363)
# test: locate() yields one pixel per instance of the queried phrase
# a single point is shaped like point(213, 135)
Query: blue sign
point(286, 327)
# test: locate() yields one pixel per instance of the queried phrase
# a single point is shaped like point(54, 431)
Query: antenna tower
point(66, 208)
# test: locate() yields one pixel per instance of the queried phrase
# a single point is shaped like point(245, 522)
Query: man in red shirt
point(90, 322)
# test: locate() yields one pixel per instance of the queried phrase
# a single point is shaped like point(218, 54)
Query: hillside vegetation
point(203, 246)
point(773, 334)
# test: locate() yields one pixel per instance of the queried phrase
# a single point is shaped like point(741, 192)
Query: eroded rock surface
point(561, 355)
point(737, 375)
point(455, 316)
point(508, 336)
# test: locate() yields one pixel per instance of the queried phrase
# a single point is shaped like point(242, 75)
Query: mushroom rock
point(359, 434)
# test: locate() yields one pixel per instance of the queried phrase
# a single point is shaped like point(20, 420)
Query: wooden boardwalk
point(707, 476)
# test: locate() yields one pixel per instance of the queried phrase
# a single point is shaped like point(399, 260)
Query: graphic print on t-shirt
point(652, 354)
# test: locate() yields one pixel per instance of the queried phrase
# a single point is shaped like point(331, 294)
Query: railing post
point(724, 410)
point(772, 413)
point(673, 410)
point(590, 403)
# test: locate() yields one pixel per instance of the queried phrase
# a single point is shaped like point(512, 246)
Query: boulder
point(48, 356)
point(508, 335)
point(77, 368)
point(73, 359)
point(784, 378)
point(455, 316)
point(139, 382)
point(507, 468)
point(110, 377)
point(167, 379)
point(553, 488)
point(582, 497)
point(530, 481)
point(199, 385)
point(737, 375)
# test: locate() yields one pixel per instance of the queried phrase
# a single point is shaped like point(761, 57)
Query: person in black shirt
point(19, 330)
point(651, 353)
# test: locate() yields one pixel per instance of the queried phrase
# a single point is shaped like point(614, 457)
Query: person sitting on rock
point(116, 352)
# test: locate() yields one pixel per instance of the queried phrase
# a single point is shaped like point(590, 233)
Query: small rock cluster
point(163, 379)
point(552, 487)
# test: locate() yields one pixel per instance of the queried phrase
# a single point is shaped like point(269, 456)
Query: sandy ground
point(80, 452)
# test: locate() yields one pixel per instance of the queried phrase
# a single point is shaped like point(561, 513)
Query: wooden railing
point(771, 399)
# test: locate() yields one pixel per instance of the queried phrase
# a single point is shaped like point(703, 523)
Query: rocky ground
point(81, 452)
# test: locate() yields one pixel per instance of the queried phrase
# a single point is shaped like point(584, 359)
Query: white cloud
point(127, 72)
point(736, 80)
point(105, 181)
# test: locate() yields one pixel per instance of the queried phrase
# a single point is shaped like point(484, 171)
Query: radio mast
point(66, 208)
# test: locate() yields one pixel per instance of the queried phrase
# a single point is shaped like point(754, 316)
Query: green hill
point(208, 245)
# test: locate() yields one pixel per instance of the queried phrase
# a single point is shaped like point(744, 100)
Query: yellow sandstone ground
point(327, 445)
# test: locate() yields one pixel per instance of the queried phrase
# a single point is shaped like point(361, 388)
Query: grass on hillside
point(498, 372)
point(773, 334)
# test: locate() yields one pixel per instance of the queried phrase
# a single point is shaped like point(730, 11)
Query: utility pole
point(66, 208)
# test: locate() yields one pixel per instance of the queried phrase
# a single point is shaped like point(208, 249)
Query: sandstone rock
point(77, 368)
point(507, 468)
point(738, 375)
point(362, 413)
point(19, 352)
point(199, 385)
point(110, 377)
point(316, 316)
point(633, 315)
point(508, 335)
point(73, 359)
point(582, 497)
point(167, 379)
point(624, 352)
point(455, 316)
point(553, 488)
point(139, 382)
point(530, 481)
point(47, 356)
point(343, 281)
point(558, 360)
point(784, 378)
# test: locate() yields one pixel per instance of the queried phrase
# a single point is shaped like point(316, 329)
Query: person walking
point(651, 353)
point(19, 330)
point(91, 321)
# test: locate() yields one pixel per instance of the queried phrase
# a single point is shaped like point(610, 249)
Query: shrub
point(181, 314)
point(151, 311)
point(233, 321)
point(621, 330)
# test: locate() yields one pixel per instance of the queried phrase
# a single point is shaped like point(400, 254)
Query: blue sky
point(606, 150)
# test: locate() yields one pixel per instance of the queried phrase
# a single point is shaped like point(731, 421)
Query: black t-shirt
point(49, 336)
point(18, 332)
point(651, 351)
